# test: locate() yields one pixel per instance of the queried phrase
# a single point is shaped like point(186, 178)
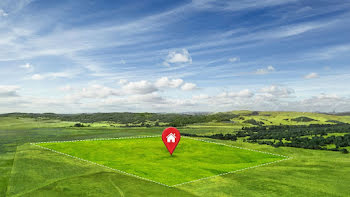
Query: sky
point(84, 56)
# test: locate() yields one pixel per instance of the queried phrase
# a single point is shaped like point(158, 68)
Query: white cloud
point(243, 94)
point(123, 81)
point(8, 91)
point(109, 99)
point(188, 86)
point(270, 68)
point(264, 71)
point(132, 102)
point(293, 30)
point(147, 87)
point(54, 75)
point(95, 91)
point(311, 76)
point(325, 103)
point(178, 57)
point(200, 97)
point(66, 88)
point(277, 91)
point(129, 92)
point(236, 5)
point(37, 77)
point(28, 67)
point(3, 13)
point(165, 82)
point(147, 98)
point(67, 41)
point(139, 87)
point(234, 59)
point(98, 91)
point(329, 52)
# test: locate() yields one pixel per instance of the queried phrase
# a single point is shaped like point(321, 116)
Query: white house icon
point(171, 138)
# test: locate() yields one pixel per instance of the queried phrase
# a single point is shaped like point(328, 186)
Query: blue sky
point(174, 56)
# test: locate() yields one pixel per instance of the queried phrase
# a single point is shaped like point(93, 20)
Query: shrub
point(344, 151)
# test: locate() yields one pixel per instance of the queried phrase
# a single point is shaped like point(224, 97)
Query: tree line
point(172, 119)
point(219, 136)
point(300, 136)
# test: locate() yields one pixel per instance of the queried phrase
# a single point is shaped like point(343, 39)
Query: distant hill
point(130, 118)
point(239, 118)
point(343, 114)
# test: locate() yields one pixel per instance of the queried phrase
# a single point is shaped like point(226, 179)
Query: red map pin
point(171, 137)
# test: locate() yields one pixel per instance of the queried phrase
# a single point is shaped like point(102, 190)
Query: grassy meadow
point(148, 157)
point(27, 170)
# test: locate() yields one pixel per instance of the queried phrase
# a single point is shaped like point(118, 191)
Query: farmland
point(28, 170)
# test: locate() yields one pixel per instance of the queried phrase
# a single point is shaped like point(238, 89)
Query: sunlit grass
point(148, 157)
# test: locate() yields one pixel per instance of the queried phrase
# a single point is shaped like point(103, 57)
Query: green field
point(148, 157)
point(27, 170)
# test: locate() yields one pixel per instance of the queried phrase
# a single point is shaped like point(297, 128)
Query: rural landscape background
point(258, 89)
point(317, 146)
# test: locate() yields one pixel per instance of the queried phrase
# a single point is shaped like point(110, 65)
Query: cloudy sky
point(73, 56)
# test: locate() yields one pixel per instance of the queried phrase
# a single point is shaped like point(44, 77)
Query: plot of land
point(148, 157)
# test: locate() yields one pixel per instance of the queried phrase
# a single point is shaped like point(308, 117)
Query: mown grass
point(148, 157)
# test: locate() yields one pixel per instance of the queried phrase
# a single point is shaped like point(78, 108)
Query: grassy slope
point(15, 132)
point(311, 172)
point(280, 117)
point(38, 172)
point(268, 118)
point(148, 157)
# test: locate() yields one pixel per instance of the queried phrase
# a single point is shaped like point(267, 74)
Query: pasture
point(27, 170)
point(148, 158)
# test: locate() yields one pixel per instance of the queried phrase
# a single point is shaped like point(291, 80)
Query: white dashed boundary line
point(231, 172)
point(142, 178)
point(236, 147)
point(99, 139)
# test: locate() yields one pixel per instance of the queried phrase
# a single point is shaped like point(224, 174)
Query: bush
point(344, 151)
point(78, 125)
point(303, 119)
point(254, 122)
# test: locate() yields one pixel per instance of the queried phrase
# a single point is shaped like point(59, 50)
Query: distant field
point(148, 157)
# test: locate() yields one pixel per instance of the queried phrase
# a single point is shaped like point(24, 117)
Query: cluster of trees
point(292, 136)
point(176, 120)
point(299, 136)
point(303, 119)
point(254, 122)
point(80, 125)
point(335, 121)
point(318, 142)
point(289, 131)
point(219, 136)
